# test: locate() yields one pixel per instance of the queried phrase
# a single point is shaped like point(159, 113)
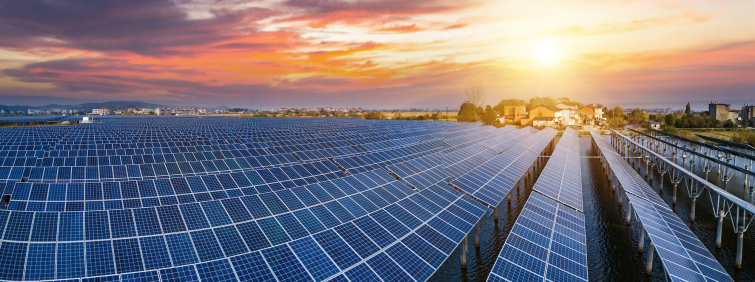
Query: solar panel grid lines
point(227, 199)
point(547, 243)
point(490, 181)
point(682, 254)
point(684, 257)
point(548, 239)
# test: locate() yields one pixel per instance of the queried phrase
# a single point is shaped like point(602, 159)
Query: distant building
point(655, 125)
point(748, 112)
point(544, 121)
point(101, 111)
point(722, 112)
point(542, 111)
point(514, 114)
point(570, 115)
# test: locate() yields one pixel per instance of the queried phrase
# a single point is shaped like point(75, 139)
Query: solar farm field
point(250, 199)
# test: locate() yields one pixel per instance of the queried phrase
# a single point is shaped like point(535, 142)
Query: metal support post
point(464, 244)
point(740, 241)
point(692, 207)
point(477, 236)
point(629, 211)
point(649, 266)
point(675, 184)
point(642, 239)
point(720, 228)
point(495, 214)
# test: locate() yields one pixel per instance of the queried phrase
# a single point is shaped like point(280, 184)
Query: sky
point(375, 53)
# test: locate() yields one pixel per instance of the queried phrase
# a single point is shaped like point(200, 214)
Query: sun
point(546, 53)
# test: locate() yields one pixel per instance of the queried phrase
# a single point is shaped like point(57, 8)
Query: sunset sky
point(374, 53)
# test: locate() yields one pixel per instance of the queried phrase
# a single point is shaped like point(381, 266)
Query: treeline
point(398, 116)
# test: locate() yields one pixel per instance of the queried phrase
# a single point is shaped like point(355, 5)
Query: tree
point(615, 117)
point(638, 117)
point(722, 117)
point(466, 112)
point(729, 124)
point(491, 117)
point(687, 110)
point(537, 101)
point(473, 94)
point(670, 119)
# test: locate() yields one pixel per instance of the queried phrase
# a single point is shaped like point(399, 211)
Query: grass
point(725, 135)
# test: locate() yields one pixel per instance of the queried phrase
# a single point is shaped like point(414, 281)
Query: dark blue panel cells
point(236, 210)
point(99, 258)
point(128, 256)
point(207, 245)
point(216, 213)
point(292, 226)
point(179, 274)
point(194, 216)
point(334, 246)
point(170, 219)
point(147, 222)
point(362, 272)
point(216, 271)
point(252, 266)
point(387, 269)
point(410, 262)
point(141, 276)
point(181, 249)
point(284, 264)
point(230, 241)
point(18, 226)
point(40, 262)
point(71, 262)
point(156, 251)
point(122, 224)
point(253, 236)
point(314, 258)
point(45, 228)
point(273, 230)
point(13, 259)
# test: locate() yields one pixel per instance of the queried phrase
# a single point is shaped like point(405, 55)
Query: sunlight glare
point(545, 52)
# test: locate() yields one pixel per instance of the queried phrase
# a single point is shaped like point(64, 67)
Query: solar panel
point(547, 242)
point(180, 198)
point(683, 256)
point(548, 239)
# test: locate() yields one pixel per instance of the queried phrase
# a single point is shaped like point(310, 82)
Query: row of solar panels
point(212, 240)
point(548, 242)
point(684, 257)
point(491, 181)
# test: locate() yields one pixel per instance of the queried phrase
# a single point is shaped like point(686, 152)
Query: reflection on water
point(612, 247)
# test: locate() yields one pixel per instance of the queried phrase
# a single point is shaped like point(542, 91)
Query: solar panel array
point(683, 256)
point(548, 241)
point(225, 199)
point(491, 181)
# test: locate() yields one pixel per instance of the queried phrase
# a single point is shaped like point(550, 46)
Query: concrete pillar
point(477, 236)
point(642, 239)
point(649, 266)
point(509, 197)
point(675, 184)
point(720, 228)
point(629, 211)
point(464, 244)
point(692, 207)
point(495, 214)
point(740, 242)
point(621, 200)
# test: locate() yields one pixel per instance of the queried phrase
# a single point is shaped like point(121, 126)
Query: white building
point(569, 113)
point(101, 111)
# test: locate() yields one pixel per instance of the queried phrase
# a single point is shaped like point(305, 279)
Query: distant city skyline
point(375, 54)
